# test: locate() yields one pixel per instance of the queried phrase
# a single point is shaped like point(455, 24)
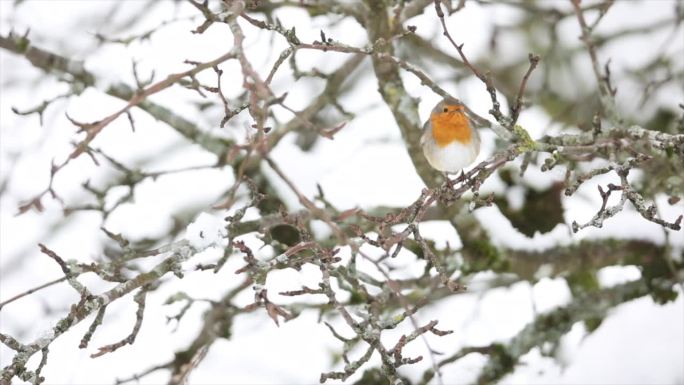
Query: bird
point(450, 140)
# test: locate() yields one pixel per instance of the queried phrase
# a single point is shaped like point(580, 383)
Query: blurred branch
point(606, 91)
point(89, 304)
point(404, 108)
point(548, 328)
point(50, 62)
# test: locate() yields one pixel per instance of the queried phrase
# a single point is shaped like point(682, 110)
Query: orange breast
point(450, 126)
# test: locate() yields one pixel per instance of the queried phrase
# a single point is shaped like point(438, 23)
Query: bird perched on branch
point(450, 140)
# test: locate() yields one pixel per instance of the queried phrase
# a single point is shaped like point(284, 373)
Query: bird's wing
point(427, 128)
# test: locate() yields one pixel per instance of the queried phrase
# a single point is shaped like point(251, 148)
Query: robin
point(450, 140)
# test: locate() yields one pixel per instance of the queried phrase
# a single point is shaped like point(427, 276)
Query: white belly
point(452, 157)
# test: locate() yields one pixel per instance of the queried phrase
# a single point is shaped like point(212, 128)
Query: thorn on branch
point(606, 79)
point(131, 121)
point(596, 125)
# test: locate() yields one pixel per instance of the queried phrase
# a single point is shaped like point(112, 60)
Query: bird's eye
point(446, 109)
